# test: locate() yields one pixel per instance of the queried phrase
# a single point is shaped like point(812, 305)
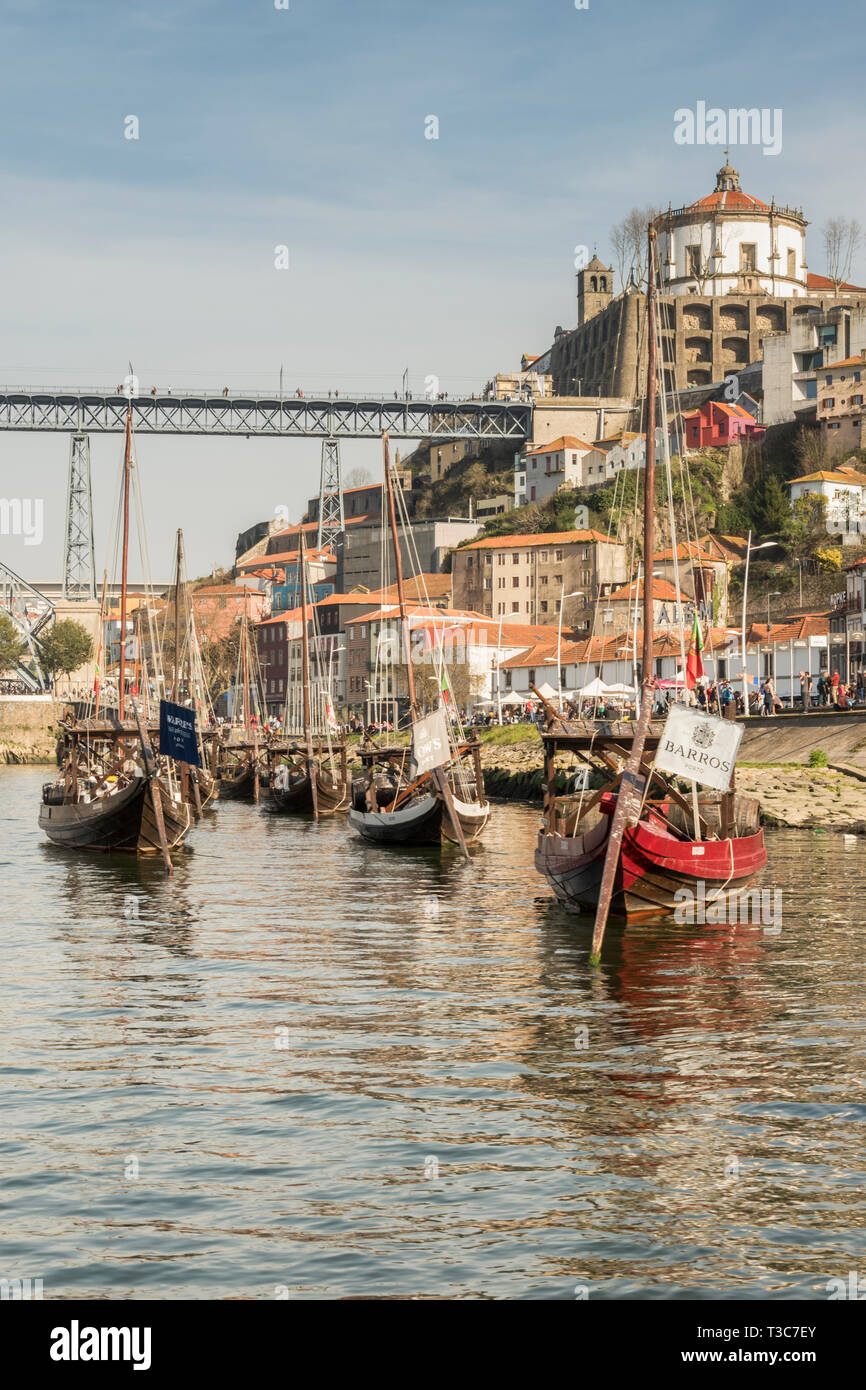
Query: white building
point(844, 490)
point(733, 243)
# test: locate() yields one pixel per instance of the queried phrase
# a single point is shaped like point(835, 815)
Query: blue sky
point(305, 127)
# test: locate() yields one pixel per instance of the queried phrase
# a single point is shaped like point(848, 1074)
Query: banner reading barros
point(177, 733)
point(430, 747)
point(699, 747)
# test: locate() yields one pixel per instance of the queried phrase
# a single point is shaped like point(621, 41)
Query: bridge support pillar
point(332, 521)
point(79, 567)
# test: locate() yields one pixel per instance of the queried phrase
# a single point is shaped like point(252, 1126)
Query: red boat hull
point(653, 870)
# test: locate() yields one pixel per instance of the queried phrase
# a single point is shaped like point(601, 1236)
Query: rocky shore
point(792, 796)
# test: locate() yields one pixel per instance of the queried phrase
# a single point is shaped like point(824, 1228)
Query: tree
point(359, 476)
point(220, 661)
point(12, 649)
point(843, 237)
point(65, 647)
point(772, 509)
point(629, 241)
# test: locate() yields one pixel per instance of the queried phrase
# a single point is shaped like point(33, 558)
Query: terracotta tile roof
point(790, 629)
point(733, 199)
point(662, 590)
point(539, 538)
point(688, 550)
point(850, 477)
point(370, 599)
point(846, 362)
point(565, 441)
point(291, 615)
point(225, 591)
point(434, 585)
point(823, 282)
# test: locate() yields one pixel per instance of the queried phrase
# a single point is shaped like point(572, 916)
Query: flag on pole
point(443, 686)
point(694, 661)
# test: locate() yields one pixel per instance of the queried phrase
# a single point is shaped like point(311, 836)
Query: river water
point(312, 1068)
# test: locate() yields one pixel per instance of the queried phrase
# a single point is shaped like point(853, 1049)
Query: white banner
point(699, 747)
point(430, 746)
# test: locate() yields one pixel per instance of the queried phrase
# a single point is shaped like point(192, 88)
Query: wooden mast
point(312, 770)
point(438, 773)
point(121, 682)
point(179, 563)
point(629, 796)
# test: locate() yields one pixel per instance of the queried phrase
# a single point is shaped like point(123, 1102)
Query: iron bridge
point(363, 417)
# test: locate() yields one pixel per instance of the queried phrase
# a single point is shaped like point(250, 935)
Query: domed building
point(733, 271)
point(733, 243)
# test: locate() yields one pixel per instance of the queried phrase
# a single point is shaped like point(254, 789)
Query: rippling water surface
point(340, 1070)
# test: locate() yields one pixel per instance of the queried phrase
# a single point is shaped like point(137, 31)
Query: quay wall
point(27, 724)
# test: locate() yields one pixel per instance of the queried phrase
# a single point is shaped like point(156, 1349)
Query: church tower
point(594, 289)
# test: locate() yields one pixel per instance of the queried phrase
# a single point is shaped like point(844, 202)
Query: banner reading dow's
point(177, 733)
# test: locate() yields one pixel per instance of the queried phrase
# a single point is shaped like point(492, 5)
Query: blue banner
point(177, 733)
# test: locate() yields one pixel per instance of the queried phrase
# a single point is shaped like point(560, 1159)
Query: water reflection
point(351, 1071)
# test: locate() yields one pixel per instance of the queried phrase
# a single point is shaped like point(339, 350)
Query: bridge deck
point(358, 418)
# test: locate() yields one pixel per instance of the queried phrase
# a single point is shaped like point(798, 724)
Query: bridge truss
point(266, 416)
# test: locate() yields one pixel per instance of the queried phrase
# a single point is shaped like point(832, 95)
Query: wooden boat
point(660, 855)
point(240, 751)
point(313, 779)
point(619, 851)
point(446, 802)
point(114, 791)
point(128, 812)
point(389, 809)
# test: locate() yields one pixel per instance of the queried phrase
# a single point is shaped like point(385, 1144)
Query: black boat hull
point(122, 822)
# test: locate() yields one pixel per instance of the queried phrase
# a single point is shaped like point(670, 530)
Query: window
point(542, 557)
point(792, 264)
point(532, 499)
point(544, 605)
point(488, 558)
point(856, 400)
point(558, 604)
point(828, 381)
point(531, 675)
point(507, 680)
point(515, 583)
point(500, 608)
point(488, 583)
point(500, 583)
point(515, 607)
point(748, 256)
point(557, 555)
point(693, 260)
point(515, 559)
point(830, 401)
point(501, 559)
point(544, 578)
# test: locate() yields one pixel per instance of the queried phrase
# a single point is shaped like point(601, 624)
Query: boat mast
point(649, 495)
point(438, 773)
point(401, 596)
point(245, 689)
point(312, 770)
point(121, 692)
point(174, 678)
point(634, 775)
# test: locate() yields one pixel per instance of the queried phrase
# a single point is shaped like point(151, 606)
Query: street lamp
point(577, 593)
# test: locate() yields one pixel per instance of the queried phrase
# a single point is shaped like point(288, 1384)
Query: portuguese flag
point(694, 662)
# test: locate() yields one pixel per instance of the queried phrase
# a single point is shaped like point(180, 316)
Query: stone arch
point(771, 318)
point(698, 316)
point(698, 376)
point(593, 282)
point(698, 350)
point(602, 284)
point(735, 350)
point(734, 316)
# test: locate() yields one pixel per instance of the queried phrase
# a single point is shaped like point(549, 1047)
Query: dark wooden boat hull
point(654, 867)
point(238, 786)
point(122, 822)
point(297, 795)
point(423, 822)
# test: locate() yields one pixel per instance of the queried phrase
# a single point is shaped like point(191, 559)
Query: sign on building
point(699, 747)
